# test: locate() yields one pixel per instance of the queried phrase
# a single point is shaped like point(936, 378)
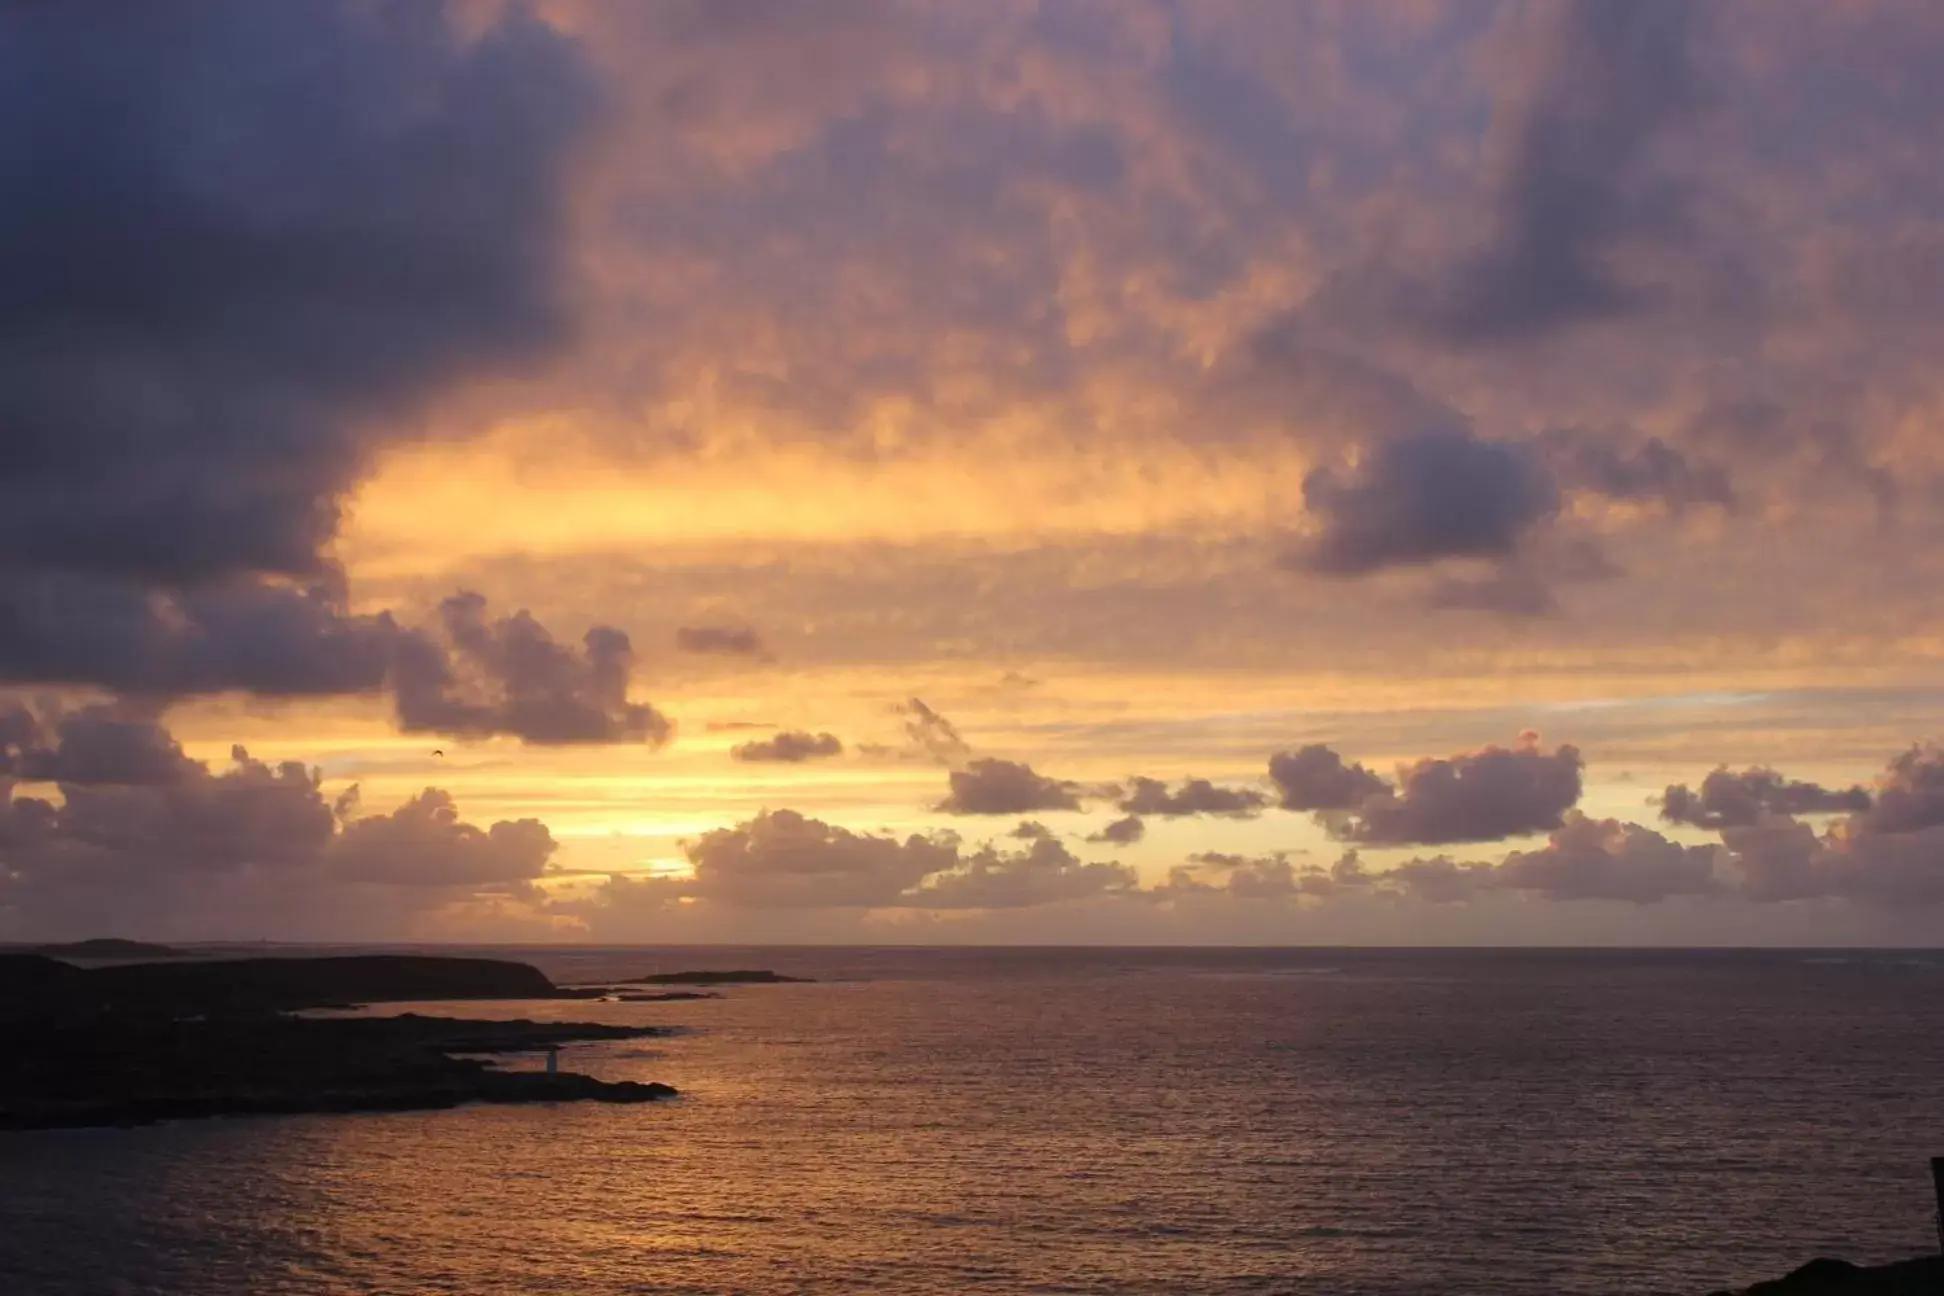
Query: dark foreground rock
point(1826, 1277)
point(735, 976)
point(83, 1047)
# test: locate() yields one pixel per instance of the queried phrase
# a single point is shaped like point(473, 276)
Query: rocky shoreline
point(138, 1043)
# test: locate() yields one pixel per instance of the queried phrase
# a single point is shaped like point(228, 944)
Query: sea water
point(1083, 1121)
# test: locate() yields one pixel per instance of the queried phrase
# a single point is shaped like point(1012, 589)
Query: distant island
point(737, 976)
point(1824, 1277)
point(138, 1042)
point(108, 947)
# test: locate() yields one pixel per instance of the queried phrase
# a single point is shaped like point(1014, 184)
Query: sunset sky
point(1374, 471)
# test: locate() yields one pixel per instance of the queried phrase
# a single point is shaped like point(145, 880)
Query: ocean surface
point(1083, 1121)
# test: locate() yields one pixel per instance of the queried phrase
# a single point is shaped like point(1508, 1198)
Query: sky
point(1371, 471)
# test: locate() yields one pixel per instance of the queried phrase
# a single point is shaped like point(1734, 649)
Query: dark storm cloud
point(1579, 180)
point(1316, 778)
point(484, 677)
point(242, 245)
point(102, 743)
point(782, 859)
point(1046, 872)
point(1734, 799)
point(791, 746)
point(1195, 796)
point(239, 633)
point(467, 678)
point(1485, 795)
point(233, 236)
point(1001, 787)
point(728, 641)
point(1121, 832)
point(1416, 499)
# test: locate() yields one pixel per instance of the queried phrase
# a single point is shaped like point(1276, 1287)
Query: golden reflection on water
point(1114, 1122)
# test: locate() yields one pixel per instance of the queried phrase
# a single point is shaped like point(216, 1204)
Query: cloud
point(1889, 855)
point(1909, 795)
point(1417, 499)
point(1783, 859)
point(200, 849)
point(1611, 465)
point(782, 859)
point(1001, 787)
point(1252, 878)
point(932, 734)
point(1508, 590)
point(791, 746)
point(1121, 832)
point(1728, 799)
point(1316, 778)
point(510, 676)
point(1604, 859)
point(424, 843)
point(1486, 795)
point(785, 860)
point(1147, 796)
point(269, 236)
point(1266, 877)
point(1439, 880)
point(1578, 180)
point(727, 641)
point(1046, 872)
point(110, 742)
point(242, 633)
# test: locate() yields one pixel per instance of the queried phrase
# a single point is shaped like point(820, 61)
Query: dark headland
point(1920, 1277)
point(139, 1042)
point(108, 947)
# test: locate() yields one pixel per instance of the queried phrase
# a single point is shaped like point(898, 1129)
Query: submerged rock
point(735, 976)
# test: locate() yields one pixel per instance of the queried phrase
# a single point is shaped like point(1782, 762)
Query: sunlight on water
point(1088, 1122)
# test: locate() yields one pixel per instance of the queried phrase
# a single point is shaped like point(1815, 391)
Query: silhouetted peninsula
point(279, 984)
point(1825, 1277)
point(108, 947)
point(737, 976)
point(136, 1043)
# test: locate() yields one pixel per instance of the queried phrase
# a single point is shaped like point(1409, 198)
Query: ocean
point(1082, 1121)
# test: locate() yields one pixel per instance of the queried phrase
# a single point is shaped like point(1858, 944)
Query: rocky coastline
point(140, 1042)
